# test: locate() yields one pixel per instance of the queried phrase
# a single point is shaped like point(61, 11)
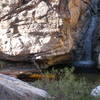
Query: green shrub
point(67, 87)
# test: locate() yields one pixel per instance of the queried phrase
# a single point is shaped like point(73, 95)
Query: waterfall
point(88, 41)
point(86, 60)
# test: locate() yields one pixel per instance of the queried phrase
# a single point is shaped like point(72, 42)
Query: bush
point(67, 87)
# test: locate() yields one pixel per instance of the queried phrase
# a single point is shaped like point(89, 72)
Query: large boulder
point(40, 29)
point(14, 89)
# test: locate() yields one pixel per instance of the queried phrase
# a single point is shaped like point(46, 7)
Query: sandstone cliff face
point(41, 29)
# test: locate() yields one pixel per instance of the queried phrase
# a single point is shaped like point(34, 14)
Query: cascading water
point(86, 60)
point(88, 39)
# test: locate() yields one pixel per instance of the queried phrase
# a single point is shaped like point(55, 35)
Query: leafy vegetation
point(67, 87)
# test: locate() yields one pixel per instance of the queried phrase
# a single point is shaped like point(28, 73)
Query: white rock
point(96, 92)
point(41, 9)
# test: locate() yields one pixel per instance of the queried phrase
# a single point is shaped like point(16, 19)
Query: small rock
point(96, 92)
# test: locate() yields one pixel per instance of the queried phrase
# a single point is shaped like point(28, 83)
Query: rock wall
point(43, 30)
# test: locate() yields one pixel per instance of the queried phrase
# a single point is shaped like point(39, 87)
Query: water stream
point(86, 60)
point(88, 39)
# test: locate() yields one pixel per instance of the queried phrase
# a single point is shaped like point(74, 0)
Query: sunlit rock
point(39, 29)
point(96, 92)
